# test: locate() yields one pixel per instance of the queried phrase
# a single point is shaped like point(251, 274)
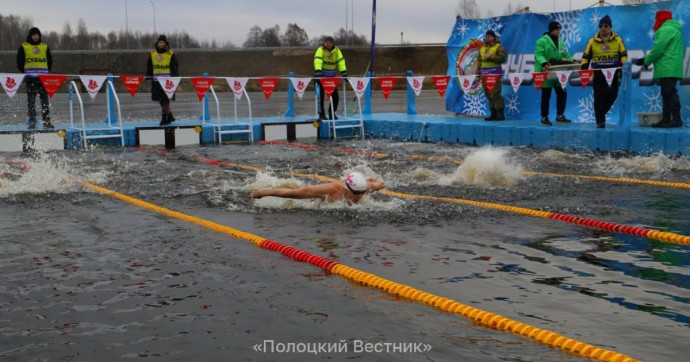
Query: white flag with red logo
point(516, 80)
point(466, 82)
point(93, 83)
point(237, 86)
point(300, 85)
point(169, 85)
point(359, 85)
point(563, 76)
point(416, 84)
point(11, 83)
point(609, 74)
point(132, 82)
point(387, 84)
point(202, 85)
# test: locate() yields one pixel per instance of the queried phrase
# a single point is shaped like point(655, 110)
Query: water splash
point(657, 165)
point(486, 167)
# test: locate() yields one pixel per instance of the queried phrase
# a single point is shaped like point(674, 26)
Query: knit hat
point(606, 20)
point(661, 17)
point(554, 25)
point(490, 32)
point(328, 38)
point(163, 38)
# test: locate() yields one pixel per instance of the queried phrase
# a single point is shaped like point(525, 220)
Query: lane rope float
point(484, 318)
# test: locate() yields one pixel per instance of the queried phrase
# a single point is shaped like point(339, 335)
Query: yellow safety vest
point(605, 54)
point(489, 67)
point(328, 61)
point(161, 63)
point(35, 58)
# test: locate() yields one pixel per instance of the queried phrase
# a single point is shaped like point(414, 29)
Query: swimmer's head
point(356, 182)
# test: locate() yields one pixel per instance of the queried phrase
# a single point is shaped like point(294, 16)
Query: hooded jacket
point(545, 51)
point(667, 51)
point(21, 53)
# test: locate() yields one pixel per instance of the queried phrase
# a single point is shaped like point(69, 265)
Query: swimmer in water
point(352, 189)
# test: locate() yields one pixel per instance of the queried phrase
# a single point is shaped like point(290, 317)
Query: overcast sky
point(420, 21)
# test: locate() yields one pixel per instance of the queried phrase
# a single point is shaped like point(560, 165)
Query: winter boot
point(32, 123)
point(492, 117)
point(47, 124)
point(499, 115)
point(165, 120)
point(561, 119)
point(665, 121)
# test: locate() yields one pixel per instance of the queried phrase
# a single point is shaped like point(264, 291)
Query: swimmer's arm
point(374, 184)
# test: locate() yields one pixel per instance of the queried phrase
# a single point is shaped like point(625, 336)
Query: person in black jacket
point(34, 58)
point(162, 62)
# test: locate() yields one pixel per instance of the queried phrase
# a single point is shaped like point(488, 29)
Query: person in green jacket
point(667, 56)
point(550, 50)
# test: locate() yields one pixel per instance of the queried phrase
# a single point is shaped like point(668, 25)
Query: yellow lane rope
point(487, 319)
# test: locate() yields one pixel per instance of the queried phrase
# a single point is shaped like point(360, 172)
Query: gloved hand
point(584, 66)
point(639, 61)
point(317, 73)
point(344, 74)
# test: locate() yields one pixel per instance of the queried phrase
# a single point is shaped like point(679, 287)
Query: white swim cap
point(356, 182)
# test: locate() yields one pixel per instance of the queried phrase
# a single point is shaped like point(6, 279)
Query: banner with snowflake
point(519, 33)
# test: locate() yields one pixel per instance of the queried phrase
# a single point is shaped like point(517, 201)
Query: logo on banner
point(516, 80)
point(237, 86)
point(490, 81)
point(93, 83)
point(169, 85)
point(387, 84)
point(359, 84)
point(268, 85)
point(202, 85)
point(585, 76)
point(467, 62)
point(329, 85)
point(563, 76)
point(539, 78)
point(132, 83)
point(416, 84)
point(467, 84)
point(52, 82)
point(300, 85)
point(609, 73)
point(441, 83)
point(11, 82)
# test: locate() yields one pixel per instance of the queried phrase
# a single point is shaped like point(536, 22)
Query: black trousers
point(604, 95)
point(670, 99)
point(561, 97)
point(35, 87)
point(322, 95)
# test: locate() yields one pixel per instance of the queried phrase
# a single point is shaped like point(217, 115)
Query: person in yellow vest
point(491, 56)
point(328, 59)
point(162, 62)
point(604, 50)
point(34, 58)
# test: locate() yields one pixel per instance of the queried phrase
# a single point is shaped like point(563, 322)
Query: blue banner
point(519, 33)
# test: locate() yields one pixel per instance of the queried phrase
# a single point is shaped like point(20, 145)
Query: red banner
point(490, 81)
point(52, 82)
point(585, 76)
point(132, 83)
point(202, 85)
point(268, 85)
point(441, 83)
point(329, 85)
point(539, 78)
point(387, 84)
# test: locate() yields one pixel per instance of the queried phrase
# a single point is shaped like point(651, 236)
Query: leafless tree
point(468, 9)
point(635, 2)
point(295, 36)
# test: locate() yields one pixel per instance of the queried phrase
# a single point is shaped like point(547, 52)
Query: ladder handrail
point(111, 87)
